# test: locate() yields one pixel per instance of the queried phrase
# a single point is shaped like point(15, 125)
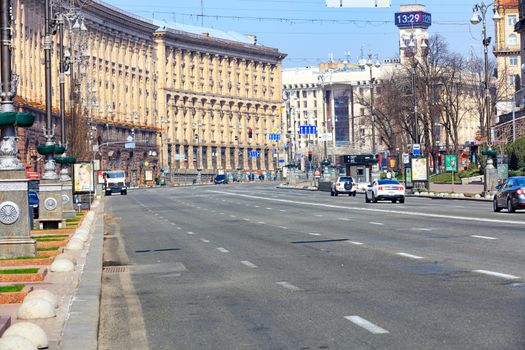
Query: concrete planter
point(24, 277)
point(15, 297)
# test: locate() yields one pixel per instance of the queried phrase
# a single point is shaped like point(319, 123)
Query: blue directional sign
point(307, 129)
point(255, 154)
point(275, 137)
point(416, 149)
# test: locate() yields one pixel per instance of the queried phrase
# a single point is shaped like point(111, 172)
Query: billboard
point(419, 169)
point(358, 3)
point(83, 176)
point(451, 163)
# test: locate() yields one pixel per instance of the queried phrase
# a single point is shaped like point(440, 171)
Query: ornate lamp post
point(479, 14)
point(370, 64)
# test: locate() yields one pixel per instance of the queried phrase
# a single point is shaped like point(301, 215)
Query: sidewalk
point(75, 325)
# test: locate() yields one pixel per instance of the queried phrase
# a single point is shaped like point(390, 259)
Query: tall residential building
point(507, 52)
point(195, 99)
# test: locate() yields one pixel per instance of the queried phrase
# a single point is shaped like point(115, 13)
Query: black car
point(510, 194)
point(220, 179)
point(34, 202)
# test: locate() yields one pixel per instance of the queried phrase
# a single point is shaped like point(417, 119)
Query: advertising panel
point(419, 169)
point(83, 175)
point(149, 175)
point(451, 163)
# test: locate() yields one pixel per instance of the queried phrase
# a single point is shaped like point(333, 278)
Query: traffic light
point(309, 156)
point(250, 133)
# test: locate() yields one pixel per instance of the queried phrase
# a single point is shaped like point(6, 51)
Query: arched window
point(512, 40)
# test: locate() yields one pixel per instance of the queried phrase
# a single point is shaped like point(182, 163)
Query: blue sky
point(287, 25)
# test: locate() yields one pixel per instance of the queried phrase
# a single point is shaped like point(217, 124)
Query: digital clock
point(416, 19)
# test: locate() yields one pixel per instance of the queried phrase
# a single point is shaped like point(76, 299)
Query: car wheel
point(336, 193)
point(366, 198)
point(394, 201)
point(374, 199)
point(402, 200)
point(510, 207)
point(332, 193)
point(495, 206)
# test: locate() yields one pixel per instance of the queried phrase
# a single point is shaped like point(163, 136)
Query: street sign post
point(324, 137)
point(451, 164)
point(129, 145)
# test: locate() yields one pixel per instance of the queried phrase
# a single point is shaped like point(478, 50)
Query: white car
point(344, 184)
point(390, 190)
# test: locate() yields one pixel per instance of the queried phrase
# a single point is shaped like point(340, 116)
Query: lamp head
point(476, 18)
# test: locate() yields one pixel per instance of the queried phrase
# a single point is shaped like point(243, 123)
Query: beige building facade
point(191, 97)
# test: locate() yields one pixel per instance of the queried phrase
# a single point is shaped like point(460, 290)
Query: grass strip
point(25, 258)
point(12, 289)
point(73, 220)
point(18, 271)
point(49, 236)
point(47, 249)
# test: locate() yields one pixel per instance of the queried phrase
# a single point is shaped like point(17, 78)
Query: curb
point(81, 328)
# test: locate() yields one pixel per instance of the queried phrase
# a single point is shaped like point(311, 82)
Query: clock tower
point(413, 22)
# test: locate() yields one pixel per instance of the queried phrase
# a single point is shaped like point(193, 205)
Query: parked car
point(391, 190)
point(34, 202)
point(510, 195)
point(220, 179)
point(344, 184)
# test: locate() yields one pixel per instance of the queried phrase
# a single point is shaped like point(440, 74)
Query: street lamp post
point(479, 14)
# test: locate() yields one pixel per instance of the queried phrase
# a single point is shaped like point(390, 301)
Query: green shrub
point(516, 152)
point(11, 289)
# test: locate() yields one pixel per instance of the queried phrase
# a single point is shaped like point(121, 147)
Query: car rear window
point(520, 181)
point(346, 179)
point(220, 177)
point(388, 182)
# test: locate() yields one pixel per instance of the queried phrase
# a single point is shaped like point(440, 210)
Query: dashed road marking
point(261, 222)
point(249, 264)
point(483, 237)
point(319, 215)
point(205, 240)
point(369, 326)
point(283, 227)
point(355, 243)
point(268, 208)
point(344, 219)
point(314, 234)
point(375, 223)
point(232, 216)
point(282, 210)
point(410, 256)
point(190, 232)
point(223, 250)
point(289, 286)
point(497, 274)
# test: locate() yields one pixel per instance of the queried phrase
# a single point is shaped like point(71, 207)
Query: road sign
point(129, 145)
point(130, 138)
point(274, 137)
point(275, 130)
point(358, 3)
point(180, 157)
point(416, 149)
point(325, 137)
point(406, 158)
point(307, 129)
point(282, 161)
point(255, 154)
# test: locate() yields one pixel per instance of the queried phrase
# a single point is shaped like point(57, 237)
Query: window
point(315, 93)
point(513, 60)
point(304, 93)
point(512, 40)
point(511, 20)
point(305, 104)
point(512, 79)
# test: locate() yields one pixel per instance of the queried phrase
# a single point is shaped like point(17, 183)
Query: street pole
point(414, 97)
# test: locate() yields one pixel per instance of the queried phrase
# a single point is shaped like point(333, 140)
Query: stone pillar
point(67, 200)
point(51, 207)
point(15, 236)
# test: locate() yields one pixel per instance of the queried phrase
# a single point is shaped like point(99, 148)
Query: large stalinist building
point(193, 98)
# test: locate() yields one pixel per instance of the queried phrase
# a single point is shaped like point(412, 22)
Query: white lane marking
point(205, 240)
point(221, 213)
point(356, 243)
point(249, 264)
point(289, 286)
point(269, 208)
point(375, 223)
point(232, 216)
point(483, 237)
point(314, 234)
point(246, 219)
point(282, 210)
point(161, 217)
point(256, 206)
point(262, 222)
point(157, 214)
point(198, 207)
point(179, 228)
point(369, 326)
point(497, 274)
point(283, 227)
point(223, 250)
point(173, 223)
point(422, 229)
point(460, 206)
point(344, 219)
point(406, 213)
point(319, 215)
point(410, 256)
point(190, 233)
